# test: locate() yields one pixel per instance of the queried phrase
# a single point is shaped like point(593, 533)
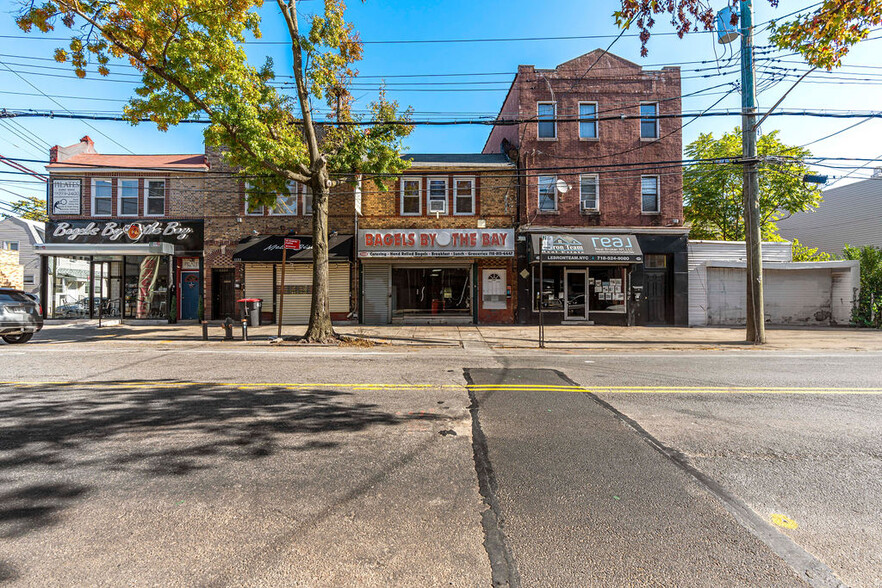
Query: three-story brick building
point(600, 192)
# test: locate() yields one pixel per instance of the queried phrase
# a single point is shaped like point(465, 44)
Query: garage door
point(375, 296)
point(298, 291)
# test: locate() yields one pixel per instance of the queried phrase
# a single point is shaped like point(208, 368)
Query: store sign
point(66, 195)
point(436, 243)
point(598, 248)
point(187, 235)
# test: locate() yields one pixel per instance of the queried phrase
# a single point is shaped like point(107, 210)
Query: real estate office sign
point(436, 243)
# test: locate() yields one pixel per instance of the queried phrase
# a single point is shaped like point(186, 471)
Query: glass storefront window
point(607, 288)
point(435, 291)
point(68, 288)
point(146, 287)
point(553, 292)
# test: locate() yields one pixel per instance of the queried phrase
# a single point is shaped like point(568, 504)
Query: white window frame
point(655, 120)
point(657, 195)
point(596, 180)
point(596, 136)
point(307, 197)
point(6, 245)
point(29, 280)
point(260, 210)
point(429, 198)
point(94, 185)
point(293, 192)
point(419, 182)
point(147, 182)
point(473, 191)
point(553, 121)
point(539, 194)
point(119, 196)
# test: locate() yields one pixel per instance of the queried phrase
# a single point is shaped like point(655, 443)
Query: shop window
point(588, 193)
point(127, 191)
point(68, 287)
point(154, 197)
point(546, 113)
point(552, 293)
point(286, 204)
point(437, 196)
point(493, 289)
point(411, 204)
point(547, 193)
point(648, 120)
point(146, 287)
point(587, 129)
point(307, 200)
point(649, 194)
point(431, 291)
point(464, 196)
point(606, 286)
point(102, 198)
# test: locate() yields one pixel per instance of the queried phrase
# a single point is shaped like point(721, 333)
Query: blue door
point(190, 289)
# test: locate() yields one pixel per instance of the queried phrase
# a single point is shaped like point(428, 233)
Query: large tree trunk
point(320, 329)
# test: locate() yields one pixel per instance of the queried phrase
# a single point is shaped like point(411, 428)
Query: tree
point(823, 36)
point(712, 191)
point(29, 208)
point(868, 311)
point(803, 252)
point(192, 62)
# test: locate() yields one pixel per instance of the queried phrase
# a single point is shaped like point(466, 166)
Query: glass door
point(106, 288)
point(576, 288)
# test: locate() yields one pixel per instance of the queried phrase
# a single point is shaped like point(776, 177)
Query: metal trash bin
point(251, 310)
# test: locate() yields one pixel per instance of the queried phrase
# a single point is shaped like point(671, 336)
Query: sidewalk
point(594, 338)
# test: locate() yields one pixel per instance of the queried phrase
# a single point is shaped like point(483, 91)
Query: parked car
point(20, 316)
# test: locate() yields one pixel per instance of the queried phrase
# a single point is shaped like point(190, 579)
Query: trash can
point(251, 310)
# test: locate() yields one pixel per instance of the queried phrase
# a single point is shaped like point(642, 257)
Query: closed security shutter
point(375, 301)
point(339, 287)
point(259, 283)
point(298, 293)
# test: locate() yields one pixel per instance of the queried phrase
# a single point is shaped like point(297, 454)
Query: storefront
point(262, 261)
point(584, 278)
point(452, 276)
point(141, 270)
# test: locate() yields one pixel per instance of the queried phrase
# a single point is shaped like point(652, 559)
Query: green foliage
point(868, 312)
point(823, 36)
point(805, 253)
point(712, 191)
point(29, 208)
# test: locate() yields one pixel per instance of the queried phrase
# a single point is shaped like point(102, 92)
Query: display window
point(606, 286)
point(431, 291)
point(567, 288)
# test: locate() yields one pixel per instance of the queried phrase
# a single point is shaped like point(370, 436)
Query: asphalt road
point(181, 464)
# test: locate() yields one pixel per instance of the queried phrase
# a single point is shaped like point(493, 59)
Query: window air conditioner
point(437, 206)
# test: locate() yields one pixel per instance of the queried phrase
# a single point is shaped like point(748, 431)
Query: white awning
point(86, 249)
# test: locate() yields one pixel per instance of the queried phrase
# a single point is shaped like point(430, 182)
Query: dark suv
point(20, 316)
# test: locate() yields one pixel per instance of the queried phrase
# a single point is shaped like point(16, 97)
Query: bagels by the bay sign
point(185, 234)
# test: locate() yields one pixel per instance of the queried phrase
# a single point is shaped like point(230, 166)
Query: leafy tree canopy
point(868, 311)
point(29, 208)
point(823, 33)
point(712, 191)
point(803, 252)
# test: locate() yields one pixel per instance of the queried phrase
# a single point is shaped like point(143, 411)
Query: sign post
point(289, 244)
point(541, 296)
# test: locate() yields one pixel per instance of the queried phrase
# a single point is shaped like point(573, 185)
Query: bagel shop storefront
point(143, 270)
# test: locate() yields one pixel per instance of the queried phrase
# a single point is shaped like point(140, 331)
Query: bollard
point(244, 330)
point(228, 329)
point(205, 330)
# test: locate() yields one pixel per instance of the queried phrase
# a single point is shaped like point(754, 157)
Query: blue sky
point(463, 96)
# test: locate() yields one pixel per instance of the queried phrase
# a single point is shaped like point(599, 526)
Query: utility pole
point(756, 326)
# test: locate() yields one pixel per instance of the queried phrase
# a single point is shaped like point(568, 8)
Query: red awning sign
point(292, 244)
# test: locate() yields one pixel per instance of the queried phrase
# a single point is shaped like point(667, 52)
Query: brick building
point(601, 190)
point(438, 244)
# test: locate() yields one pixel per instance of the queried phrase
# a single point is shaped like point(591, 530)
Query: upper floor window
point(588, 192)
point(286, 204)
point(127, 192)
point(587, 129)
point(649, 120)
point(546, 113)
point(307, 200)
point(437, 195)
point(649, 194)
point(251, 208)
point(463, 196)
point(154, 197)
point(102, 197)
point(547, 193)
point(411, 204)
point(10, 245)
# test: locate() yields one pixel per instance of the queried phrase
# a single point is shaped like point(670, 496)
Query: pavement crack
point(503, 568)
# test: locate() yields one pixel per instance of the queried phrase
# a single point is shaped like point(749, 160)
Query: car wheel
point(23, 338)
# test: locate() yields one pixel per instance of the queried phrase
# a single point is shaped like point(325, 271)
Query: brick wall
point(11, 271)
point(618, 87)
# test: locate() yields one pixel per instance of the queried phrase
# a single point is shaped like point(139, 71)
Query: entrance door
point(223, 294)
point(190, 289)
point(576, 307)
point(655, 282)
point(107, 289)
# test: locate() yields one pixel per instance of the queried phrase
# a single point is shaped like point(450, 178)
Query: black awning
point(269, 250)
point(600, 248)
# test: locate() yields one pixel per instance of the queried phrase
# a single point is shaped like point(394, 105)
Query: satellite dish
point(562, 186)
point(726, 31)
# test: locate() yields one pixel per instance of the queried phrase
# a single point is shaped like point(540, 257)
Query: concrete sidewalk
point(595, 338)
